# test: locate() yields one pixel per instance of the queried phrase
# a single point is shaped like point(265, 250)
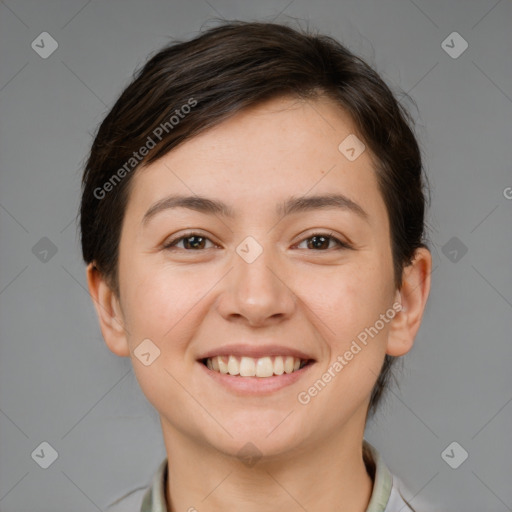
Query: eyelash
point(172, 243)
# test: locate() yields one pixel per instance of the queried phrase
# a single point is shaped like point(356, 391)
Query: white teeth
point(250, 367)
point(278, 365)
point(247, 367)
point(223, 366)
point(288, 364)
point(233, 366)
point(264, 367)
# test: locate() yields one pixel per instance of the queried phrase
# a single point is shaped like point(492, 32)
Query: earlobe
point(413, 296)
point(109, 312)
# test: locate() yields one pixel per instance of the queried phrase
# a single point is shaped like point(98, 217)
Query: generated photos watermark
point(305, 397)
point(137, 156)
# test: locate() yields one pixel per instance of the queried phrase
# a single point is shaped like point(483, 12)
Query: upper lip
point(255, 351)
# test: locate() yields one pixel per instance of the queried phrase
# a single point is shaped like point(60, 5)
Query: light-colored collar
point(382, 479)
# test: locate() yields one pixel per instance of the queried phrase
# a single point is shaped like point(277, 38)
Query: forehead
point(265, 154)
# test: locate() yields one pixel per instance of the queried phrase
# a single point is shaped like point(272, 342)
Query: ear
point(413, 296)
point(109, 312)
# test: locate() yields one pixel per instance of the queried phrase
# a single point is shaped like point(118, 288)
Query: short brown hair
point(221, 72)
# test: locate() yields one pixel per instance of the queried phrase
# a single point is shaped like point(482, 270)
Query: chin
point(257, 439)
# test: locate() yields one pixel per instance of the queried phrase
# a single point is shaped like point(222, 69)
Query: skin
point(318, 300)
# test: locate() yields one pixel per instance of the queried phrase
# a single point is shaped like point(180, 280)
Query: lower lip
point(256, 385)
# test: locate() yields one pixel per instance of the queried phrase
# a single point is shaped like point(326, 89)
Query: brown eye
point(318, 242)
point(321, 242)
point(191, 241)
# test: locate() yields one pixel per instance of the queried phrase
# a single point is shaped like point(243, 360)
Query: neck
point(326, 475)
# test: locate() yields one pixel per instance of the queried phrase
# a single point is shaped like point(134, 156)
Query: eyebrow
point(291, 206)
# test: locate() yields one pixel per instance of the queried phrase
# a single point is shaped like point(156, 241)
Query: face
point(255, 267)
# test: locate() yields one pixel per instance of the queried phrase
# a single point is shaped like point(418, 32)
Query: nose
point(257, 293)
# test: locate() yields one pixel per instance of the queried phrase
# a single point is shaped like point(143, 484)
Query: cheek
point(162, 303)
point(349, 303)
point(163, 306)
point(351, 298)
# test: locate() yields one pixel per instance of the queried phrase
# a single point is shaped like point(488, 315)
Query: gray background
point(58, 381)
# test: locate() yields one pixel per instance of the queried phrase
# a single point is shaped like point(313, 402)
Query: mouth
point(257, 370)
point(262, 367)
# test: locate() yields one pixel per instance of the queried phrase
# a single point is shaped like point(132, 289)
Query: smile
point(267, 366)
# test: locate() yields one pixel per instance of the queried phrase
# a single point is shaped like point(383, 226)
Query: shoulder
point(131, 502)
point(149, 498)
point(396, 500)
point(388, 490)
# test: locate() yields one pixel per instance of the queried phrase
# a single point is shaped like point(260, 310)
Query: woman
point(252, 219)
